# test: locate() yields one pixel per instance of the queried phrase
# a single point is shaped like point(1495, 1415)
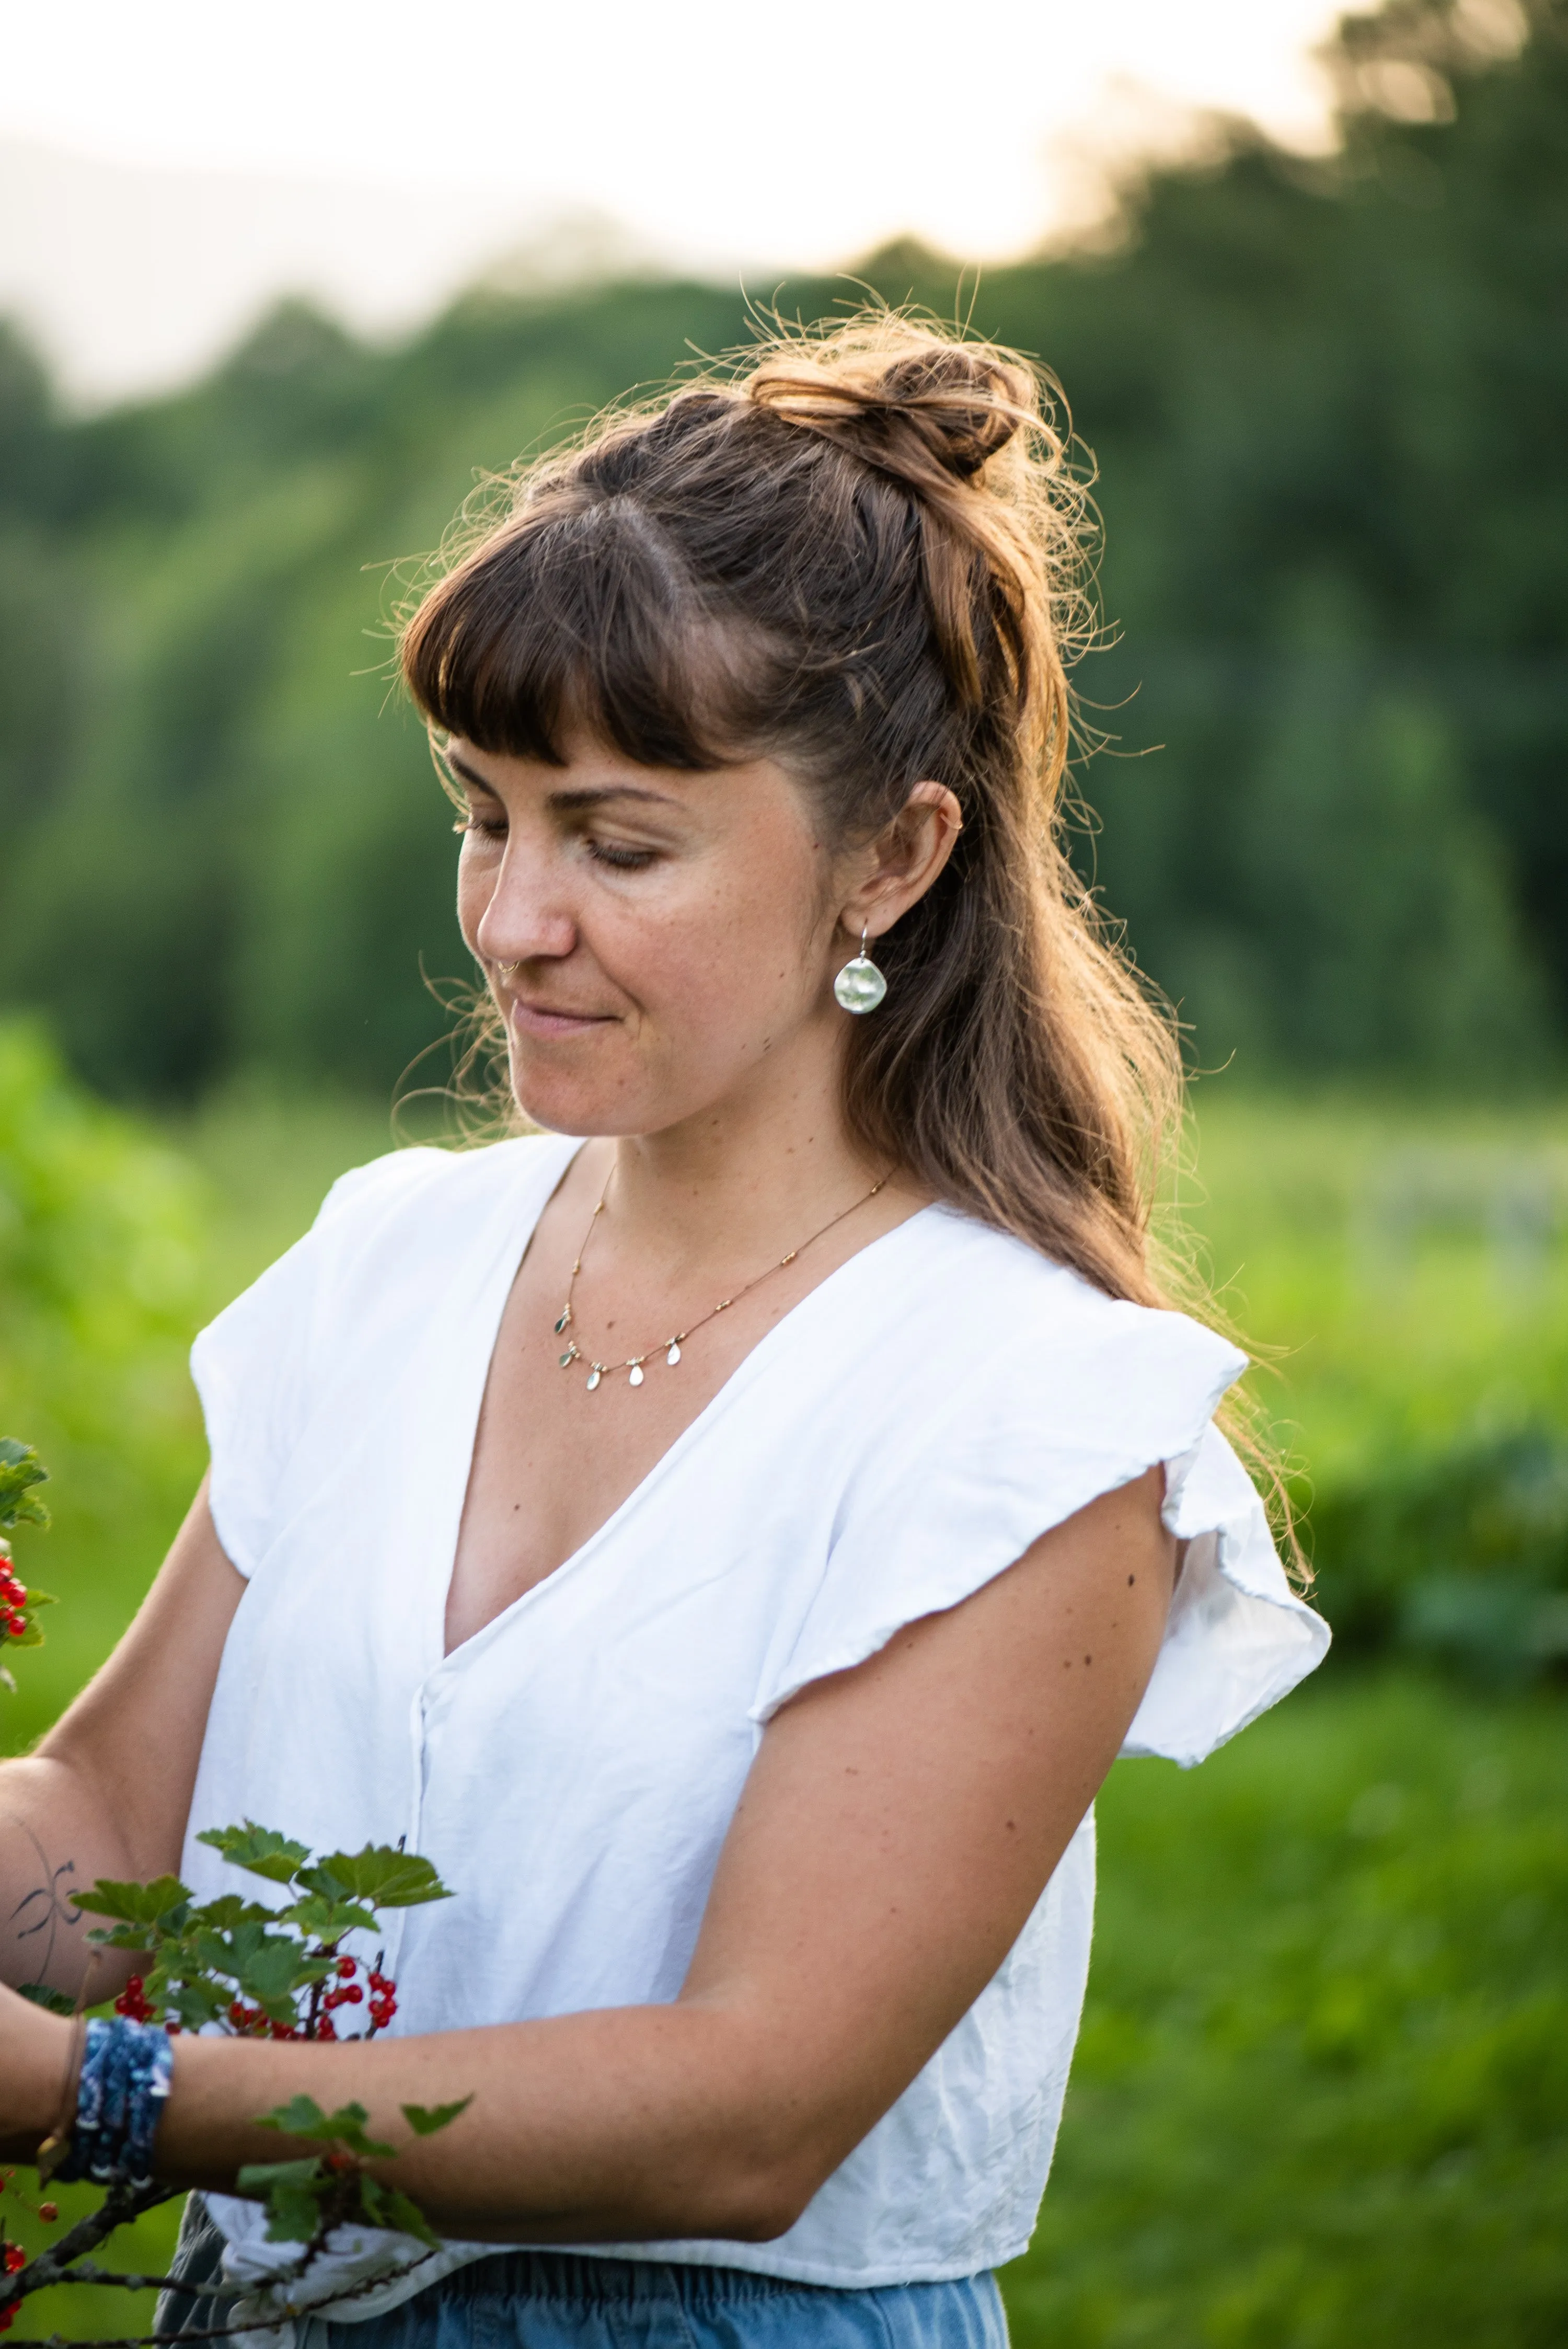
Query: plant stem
point(117, 2209)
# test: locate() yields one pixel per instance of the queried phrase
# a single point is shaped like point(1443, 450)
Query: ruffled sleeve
point(254, 1366)
point(1096, 1394)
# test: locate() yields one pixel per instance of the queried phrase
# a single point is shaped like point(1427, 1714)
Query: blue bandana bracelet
point(125, 2076)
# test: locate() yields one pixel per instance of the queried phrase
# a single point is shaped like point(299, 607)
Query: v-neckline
point(506, 1265)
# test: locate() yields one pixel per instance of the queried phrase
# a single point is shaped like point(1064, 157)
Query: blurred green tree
point(1327, 400)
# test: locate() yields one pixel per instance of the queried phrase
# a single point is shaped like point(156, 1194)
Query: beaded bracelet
point(125, 2075)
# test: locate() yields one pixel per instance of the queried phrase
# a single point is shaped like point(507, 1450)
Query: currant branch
point(21, 1472)
point(245, 1969)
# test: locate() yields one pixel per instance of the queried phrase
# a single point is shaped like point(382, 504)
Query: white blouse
point(899, 1437)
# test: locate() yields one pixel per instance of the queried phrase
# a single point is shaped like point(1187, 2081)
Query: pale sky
point(167, 166)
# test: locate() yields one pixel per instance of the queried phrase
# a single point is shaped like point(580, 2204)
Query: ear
point(897, 868)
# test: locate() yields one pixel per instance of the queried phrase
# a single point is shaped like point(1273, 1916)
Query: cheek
point(476, 886)
point(739, 953)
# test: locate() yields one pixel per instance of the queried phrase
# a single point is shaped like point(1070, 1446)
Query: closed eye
point(619, 858)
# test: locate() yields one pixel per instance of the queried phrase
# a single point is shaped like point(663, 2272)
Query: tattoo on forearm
point(38, 1917)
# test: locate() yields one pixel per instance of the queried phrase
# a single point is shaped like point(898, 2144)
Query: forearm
point(57, 1835)
point(624, 2123)
point(109, 1789)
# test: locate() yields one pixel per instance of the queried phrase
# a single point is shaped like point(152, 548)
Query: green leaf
point(271, 1974)
point(384, 2206)
point(426, 2119)
point(261, 1851)
point(328, 1921)
point(194, 2003)
point(122, 1937)
point(379, 1874)
point(41, 1995)
point(230, 1910)
point(291, 2190)
point(160, 1902)
point(302, 2117)
point(20, 1470)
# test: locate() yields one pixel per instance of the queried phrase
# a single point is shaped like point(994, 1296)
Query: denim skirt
point(565, 2300)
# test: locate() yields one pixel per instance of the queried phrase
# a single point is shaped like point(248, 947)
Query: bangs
point(578, 617)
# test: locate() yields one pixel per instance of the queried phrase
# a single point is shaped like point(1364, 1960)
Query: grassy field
point(1405, 1267)
point(1321, 2090)
point(1321, 2099)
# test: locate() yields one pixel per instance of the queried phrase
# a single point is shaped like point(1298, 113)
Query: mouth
point(547, 1021)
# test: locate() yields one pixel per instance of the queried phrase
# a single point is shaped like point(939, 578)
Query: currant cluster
point(15, 1622)
point(20, 1471)
point(346, 1992)
point(134, 2002)
point(13, 2258)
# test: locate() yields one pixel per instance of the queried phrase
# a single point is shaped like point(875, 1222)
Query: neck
point(757, 1172)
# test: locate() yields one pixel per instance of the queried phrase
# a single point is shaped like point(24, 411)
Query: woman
point(732, 1547)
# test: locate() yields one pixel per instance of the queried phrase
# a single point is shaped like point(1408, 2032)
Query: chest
point(555, 1460)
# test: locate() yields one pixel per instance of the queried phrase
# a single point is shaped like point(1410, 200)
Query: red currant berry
point(15, 2258)
point(49, 2212)
point(346, 1966)
point(327, 2028)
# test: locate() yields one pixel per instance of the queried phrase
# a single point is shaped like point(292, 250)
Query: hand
point(35, 2050)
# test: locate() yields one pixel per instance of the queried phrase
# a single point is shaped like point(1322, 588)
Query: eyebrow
point(565, 802)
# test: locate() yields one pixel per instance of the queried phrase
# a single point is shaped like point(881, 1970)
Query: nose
point(527, 918)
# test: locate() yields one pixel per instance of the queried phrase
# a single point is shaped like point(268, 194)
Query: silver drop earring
point(860, 985)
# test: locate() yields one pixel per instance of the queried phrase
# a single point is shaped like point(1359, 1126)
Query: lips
point(545, 1019)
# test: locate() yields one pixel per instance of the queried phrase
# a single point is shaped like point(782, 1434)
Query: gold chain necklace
point(670, 1348)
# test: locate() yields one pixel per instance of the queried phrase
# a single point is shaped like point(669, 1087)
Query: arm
point(108, 1790)
point(899, 1825)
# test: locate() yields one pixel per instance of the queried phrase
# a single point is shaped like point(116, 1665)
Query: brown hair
point(860, 549)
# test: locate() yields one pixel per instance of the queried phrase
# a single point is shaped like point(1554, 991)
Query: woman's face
point(674, 935)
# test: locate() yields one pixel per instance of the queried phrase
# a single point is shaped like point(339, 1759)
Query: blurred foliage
point(101, 1227)
point(1327, 402)
point(1461, 1555)
point(1320, 2095)
point(1404, 1272)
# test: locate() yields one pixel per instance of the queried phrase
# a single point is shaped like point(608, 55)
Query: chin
point(552, 1100)
point(564, 1102)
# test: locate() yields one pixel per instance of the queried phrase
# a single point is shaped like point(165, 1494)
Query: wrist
point(39, 2062)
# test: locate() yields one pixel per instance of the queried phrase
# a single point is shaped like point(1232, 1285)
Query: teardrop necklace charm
point(860, 985)
point(872, 993)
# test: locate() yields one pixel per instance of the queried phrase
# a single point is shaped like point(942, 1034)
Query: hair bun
point(902, 399)
point(968, 402)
